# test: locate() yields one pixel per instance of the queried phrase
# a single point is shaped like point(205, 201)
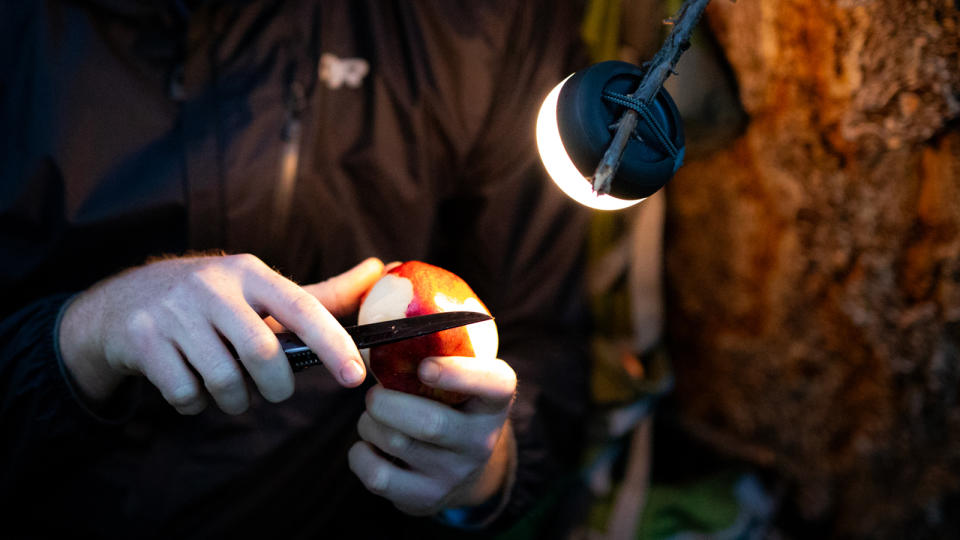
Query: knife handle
point(299, 355)
point(300, 361)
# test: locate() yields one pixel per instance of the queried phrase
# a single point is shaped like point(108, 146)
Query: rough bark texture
point(814, 262)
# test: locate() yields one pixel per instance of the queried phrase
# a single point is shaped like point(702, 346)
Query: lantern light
point(576, 126)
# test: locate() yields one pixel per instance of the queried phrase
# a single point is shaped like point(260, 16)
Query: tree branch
point(659, 69)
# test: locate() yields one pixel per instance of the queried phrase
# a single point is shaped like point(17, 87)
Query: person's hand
point(195, 327)
point(425, 456)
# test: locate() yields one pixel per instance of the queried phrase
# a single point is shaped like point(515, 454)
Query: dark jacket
point(137, 128)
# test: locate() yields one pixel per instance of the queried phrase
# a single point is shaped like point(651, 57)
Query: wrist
point(490, 495)
point(497, 474)
point(79, 345)
point(497, 470)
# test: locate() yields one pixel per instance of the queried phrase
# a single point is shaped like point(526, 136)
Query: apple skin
point(417, 288)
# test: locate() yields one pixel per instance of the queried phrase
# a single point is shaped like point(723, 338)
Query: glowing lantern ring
point(574, 130)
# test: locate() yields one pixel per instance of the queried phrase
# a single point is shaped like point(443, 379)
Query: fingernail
point(380, 480)
point(352, 373)
point(429, 371)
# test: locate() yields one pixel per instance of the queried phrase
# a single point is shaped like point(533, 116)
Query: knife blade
point(380, 333)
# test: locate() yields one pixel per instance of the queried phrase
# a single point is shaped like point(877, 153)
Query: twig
point(662, 65)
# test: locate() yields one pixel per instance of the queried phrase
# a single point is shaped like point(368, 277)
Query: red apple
point(416, 288)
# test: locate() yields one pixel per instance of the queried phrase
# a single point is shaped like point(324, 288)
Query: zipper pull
point(291, 135)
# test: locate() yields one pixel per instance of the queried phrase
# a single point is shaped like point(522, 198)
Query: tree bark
point(814, 262)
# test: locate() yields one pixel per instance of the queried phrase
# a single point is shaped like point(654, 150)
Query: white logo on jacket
point(337, 72)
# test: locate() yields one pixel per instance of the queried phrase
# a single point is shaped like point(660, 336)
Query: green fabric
point(601, 29)
point(707, 506)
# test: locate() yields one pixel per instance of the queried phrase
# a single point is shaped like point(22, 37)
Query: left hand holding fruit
point(426, 456)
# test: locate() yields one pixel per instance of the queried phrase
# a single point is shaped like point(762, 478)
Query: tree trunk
point(814, 262)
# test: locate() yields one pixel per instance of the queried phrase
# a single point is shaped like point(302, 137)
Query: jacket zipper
point(291, 135)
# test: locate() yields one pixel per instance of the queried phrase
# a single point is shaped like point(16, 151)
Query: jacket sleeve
point(36, 407)
point(43, 422)
point(521, 244)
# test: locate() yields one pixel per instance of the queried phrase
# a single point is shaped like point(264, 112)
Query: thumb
point(341, 294)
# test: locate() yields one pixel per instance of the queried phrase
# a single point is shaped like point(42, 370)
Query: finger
point(491, 383)
point(390, 266)
point(304, 315)
point(275, 326)
point(165, 368)
point(423, 457)
point(422, 419)
point(257, 348)
point(417, 493)
point(221, 375)
point(341, 294)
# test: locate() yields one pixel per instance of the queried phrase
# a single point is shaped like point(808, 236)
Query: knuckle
point(303, 305)
point(398, 442)
point(184, 396)
point(223, 380)
point(141, 327)
point(433, 425)
point(378, 480)
point(258, 346)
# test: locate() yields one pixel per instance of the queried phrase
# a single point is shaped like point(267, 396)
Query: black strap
point(641, 108)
